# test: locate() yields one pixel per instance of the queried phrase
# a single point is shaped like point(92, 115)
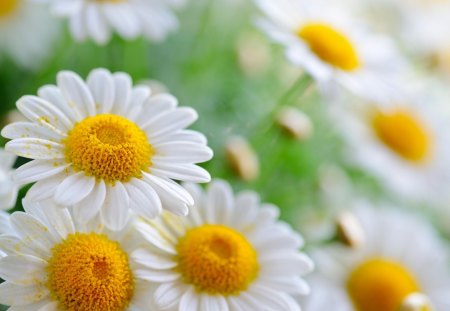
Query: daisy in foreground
point(401, 265)
point(51, 262)
point(405, 145)
point(320, 38)
point(8, 189)
point(98, 19)
point(27, 32)
point(230, 253)
point(105, 146)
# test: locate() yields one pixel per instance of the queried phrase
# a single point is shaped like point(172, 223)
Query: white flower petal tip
point(264, 267)
point(132, 163)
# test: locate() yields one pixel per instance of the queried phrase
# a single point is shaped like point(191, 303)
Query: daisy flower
point(52, 262)
point(404, 144)
point(402, 257)
point(27, 32)
point(105, 146)
point(98, 19)
point(230, 253)
point(8, 189)
point(331, 46)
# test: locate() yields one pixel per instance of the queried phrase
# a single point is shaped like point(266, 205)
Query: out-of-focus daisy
point(230, 253)
point(401, 257)
point(8, 189)
point(52, 262)
point(105, 146)
point(27, 32)
point(98, 19)
point(329, 45)
point(405, 144)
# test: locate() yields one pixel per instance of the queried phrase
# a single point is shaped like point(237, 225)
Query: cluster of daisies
point(115, 220)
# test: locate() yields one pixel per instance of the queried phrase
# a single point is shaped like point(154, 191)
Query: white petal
point(101, 84)
point(183, 172)
point(35, 148)
point(183, 135)
point(96, 25)
point(38, 170)
point(90, 206)
point(168, 295)
point(76, 92)
point(53, 94)
point(143, 199)
point(123, 19)
point(216, 302)
point(295, 264)
point(27, 129)
point(164, 186)
point(17, 295)
point(182, 152)
point(157, 276)
point(74, 189)
point(154, 107)
point(45, 188)
point(122, 97)
point(170, 122)
point(115, 211)
point(44, 113)
point(152, 235)
point(153, 260)
point(189, 301)
point(23, 270)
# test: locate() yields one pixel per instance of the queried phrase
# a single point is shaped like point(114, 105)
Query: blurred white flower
point(331, 46)
point(27, 32)
point(98, 19)
point(8, 189)
point(401, 257)
point(230, 253)
point(405, 143)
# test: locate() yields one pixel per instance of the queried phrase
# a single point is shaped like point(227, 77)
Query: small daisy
point(27, 32)
point(98, 19)
point(230, 253)
point(402, 256)
point(404, 144)
point(105, 146)
point(51, 262)
point(8, 189)
point(323, 40)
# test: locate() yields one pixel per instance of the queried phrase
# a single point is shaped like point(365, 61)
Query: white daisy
point(52, 262)
point(404, 143)
point(401, 256)
point(8, 189)
point(105, 146)
point(230, 253)
point(98, 19)
point(330, 46)
point(27, 32)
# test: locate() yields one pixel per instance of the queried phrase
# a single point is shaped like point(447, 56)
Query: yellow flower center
point(108, 147)
point(404, 134)
point(380, 285)
point(7, 7)
point(217, 260)
point(90, 272)
point(330, 46)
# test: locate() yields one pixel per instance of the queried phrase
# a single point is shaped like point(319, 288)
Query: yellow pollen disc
point(108, 147)
point(90, 272)
point(380, 285)
point(217, 260)
point(404, 134)
point(330, 46)
point(7, 7)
